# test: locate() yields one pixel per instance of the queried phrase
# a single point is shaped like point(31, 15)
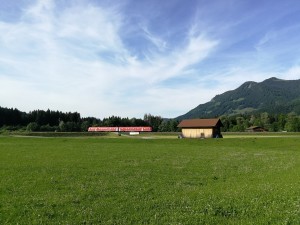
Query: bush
point(32, 127)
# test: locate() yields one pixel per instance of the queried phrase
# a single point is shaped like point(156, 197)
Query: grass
point(261, 134)
point(149, 181)
point(54, 134)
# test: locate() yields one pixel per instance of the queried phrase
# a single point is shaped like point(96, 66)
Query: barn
point(255, 129)
point(201, 128)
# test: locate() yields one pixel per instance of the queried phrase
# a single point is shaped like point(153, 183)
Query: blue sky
point(131, 57)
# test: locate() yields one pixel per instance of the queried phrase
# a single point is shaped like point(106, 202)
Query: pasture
point(122, 180)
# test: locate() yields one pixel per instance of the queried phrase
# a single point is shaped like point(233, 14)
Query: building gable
point(200, 123)
point(201, 128)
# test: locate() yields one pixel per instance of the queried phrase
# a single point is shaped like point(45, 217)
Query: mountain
point(272, 95)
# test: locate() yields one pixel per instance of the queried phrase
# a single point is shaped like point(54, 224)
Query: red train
point(120, 129)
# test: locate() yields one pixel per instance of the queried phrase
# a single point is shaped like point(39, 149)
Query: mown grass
point(149, 181)
point(53, 134)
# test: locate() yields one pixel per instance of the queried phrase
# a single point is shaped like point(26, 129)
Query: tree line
point(41, 120)
point(270, 122)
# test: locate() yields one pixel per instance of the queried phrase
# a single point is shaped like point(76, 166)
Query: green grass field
point(100, 180)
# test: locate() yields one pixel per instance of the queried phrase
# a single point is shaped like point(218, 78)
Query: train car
point(135, 129)
point(103, 129)
point(120, 129)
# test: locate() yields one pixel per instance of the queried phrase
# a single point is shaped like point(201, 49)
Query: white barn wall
point(196, 132)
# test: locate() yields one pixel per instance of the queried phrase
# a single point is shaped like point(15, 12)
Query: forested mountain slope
point(273, 96)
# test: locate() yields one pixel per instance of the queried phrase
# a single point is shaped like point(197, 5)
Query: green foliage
point(273, 123)
point(293, 123)
point(148, 181)
point(153, 121)
point(168, 126)
point(40, 120)
point(48, 128)
point(33, 126)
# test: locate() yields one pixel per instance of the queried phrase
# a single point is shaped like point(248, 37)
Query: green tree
point(293, 123)
point(281, 122)
point(164, 126)
point(173, 126)
point(153, 121)
point(62, 126)
point(265, 120)
point(33, 126)
point(85, 125)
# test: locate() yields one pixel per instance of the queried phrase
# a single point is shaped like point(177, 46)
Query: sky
point(130, 57)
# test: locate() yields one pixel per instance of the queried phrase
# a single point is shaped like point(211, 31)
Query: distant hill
point(272, 95)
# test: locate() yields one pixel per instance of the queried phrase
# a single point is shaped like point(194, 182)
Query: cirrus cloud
point(101, 59)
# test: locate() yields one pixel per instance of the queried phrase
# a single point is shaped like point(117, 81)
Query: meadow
point(124, 180)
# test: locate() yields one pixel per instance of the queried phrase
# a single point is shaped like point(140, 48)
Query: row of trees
point(14, 117)
point(274, 123)
point(40, 120)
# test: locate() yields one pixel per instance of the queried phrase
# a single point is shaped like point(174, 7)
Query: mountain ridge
point(272, 95)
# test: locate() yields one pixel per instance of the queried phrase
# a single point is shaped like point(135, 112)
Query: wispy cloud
point(74, 59)
point(265, 40)
point(101, 59)
point(159, 43)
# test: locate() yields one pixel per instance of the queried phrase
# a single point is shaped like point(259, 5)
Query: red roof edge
point(205, 123)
